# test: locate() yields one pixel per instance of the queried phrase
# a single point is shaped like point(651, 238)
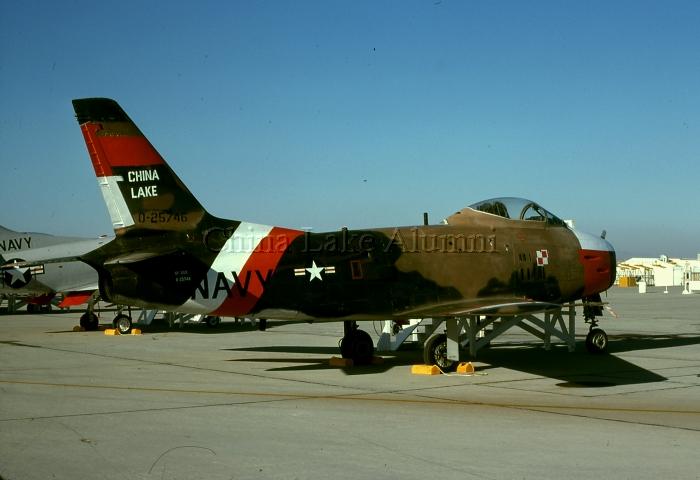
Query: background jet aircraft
point(38, 266)
point(496, 257)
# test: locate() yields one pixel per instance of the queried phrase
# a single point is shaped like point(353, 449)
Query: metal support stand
point(146, 317)
point(478, 331)
point(182, 318)
point(13, 303)
point(453, 328)
point(416, 331)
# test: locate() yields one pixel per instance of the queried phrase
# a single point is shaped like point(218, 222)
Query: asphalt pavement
point(237, 403)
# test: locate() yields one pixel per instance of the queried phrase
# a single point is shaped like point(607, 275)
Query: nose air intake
point(597, 256)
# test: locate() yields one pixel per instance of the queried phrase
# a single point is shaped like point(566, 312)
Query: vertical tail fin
point(169, 250)
point(139, 188)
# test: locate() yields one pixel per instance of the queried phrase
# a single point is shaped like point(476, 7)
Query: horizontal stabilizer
point(136, 257)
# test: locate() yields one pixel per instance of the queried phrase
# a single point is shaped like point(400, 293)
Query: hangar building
point(661, 272)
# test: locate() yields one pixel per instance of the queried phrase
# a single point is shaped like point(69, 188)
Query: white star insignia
point(18, 275)
point(315, 271)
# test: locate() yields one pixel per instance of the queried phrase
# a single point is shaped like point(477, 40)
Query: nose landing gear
point(597, 339)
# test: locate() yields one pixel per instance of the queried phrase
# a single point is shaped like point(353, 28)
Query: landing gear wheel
point(435, 353)
point(262, 324)
point(212, 321)
point(596, 341)
point(358, 346)
point(89, 321)
point(122, 323)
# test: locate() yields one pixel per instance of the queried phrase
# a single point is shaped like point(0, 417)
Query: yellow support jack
point(465, 368)
point(341, 362)
point(425, 370)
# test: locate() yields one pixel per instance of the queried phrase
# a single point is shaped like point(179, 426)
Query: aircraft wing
point(482, 306)
point(35, 263)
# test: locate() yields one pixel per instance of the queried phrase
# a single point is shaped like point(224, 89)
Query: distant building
point(660, 272)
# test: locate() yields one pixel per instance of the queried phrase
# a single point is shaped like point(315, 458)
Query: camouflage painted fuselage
point(170, 253)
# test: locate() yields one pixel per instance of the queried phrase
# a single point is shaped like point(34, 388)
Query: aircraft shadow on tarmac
point(391, 359)
point(581, 369)
point(576, 369)
point(160, 326)
point(198, 328)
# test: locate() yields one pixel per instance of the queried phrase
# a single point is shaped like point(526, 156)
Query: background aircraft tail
point(139, 188)
point(5, 230)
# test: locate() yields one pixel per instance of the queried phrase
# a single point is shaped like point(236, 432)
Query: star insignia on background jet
point(314, 271)
point(17, 277)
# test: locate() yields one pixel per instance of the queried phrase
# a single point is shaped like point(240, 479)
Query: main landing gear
point(435, 353)
point(89, 321)
point(123, 323)
point(212, 321)
point(597, 339)
point(356, 344)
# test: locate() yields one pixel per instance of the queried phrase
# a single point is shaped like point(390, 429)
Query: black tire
point(122, 323)
point(435, 353)
point(597, 341)
point(212, 321)
point(262, 324)
point(346, 346)
point(31, 308)
point(89, 321)
point(358, 346)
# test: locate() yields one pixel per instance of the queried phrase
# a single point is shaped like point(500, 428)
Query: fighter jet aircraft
point(495, 257)
point(38, 266)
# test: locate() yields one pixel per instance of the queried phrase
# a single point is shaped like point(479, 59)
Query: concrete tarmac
point(236, 403)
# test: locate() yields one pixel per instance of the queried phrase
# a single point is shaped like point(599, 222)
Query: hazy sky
point(326, 113)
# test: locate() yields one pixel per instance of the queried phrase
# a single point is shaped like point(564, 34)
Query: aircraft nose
point(597, 256)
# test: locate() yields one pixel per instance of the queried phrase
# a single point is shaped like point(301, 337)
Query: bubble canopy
point(517, 209)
